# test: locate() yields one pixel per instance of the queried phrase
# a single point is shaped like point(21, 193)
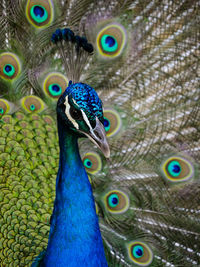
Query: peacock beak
point(98, 137)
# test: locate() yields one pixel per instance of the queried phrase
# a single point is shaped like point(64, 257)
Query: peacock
point(124, 74)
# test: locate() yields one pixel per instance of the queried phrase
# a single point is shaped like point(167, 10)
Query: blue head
point(80, 110)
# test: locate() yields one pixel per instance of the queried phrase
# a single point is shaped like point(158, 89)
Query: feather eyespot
point(39, 12)
point(32, 104)
point(88, 163)
point(55, 89)
point(92, 162)
point(116, 201)
point(140, 253)
point(9, 66)
point(177, 169)
point(112, 122)
point(4, 107)
point(111, 40)
point(54, 85)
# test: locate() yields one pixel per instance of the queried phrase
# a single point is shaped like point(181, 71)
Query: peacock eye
point(9, 66)
point(55, 89)
point(174, 168)
point(32, 107)
point(9, 70)
point(4, 106)
point(109, 43)
point(87, 163)
point(92, 162)
point(112, 122)
point(177, 169)
point(32, 104)
point(39, 12)
point(106, 124)
point(140, 253)
point(75, 113)
point(113, 200)
point(116, 201)
point(111, 40)
point(54, 85)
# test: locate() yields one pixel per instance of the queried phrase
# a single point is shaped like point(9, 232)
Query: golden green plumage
point(28, 167)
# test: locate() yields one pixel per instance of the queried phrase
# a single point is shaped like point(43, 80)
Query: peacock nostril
point(97, 134)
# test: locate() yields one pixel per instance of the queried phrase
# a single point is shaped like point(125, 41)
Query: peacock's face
point(80, 109)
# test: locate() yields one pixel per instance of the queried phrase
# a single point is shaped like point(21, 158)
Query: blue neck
point(75, 238)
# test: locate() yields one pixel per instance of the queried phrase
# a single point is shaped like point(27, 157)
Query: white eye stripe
point(86, 120)
point(73, 121)
point(75, 102)
point(67, 105)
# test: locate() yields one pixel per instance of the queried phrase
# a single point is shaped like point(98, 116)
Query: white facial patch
point(86, 120)
point(89, 125)
point(67, 105)
point(73, 120)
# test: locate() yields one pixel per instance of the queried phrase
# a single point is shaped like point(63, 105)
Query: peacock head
point(80, 110)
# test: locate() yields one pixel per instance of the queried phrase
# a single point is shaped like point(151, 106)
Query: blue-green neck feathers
point(75, 238)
